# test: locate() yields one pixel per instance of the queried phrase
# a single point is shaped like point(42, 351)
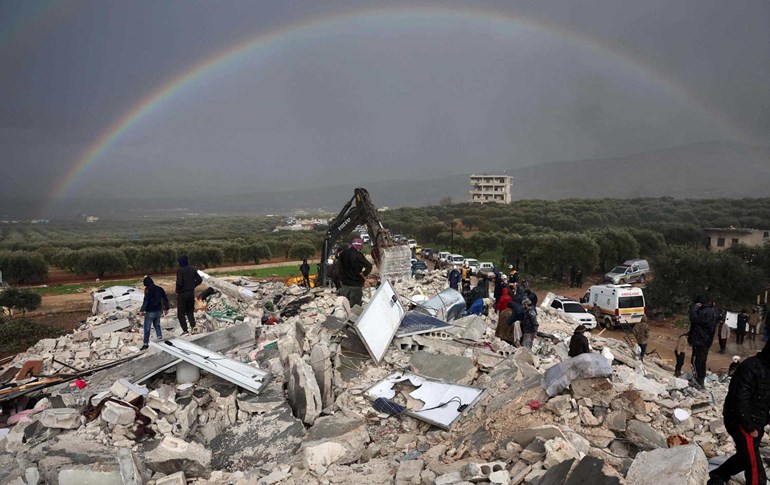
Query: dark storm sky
point(391, 92)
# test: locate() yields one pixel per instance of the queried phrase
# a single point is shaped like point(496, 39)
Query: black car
point(426, 253)
point(419, 265)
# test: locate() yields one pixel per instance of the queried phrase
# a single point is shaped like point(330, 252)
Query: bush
point(205, 256)
point(257, 252)
point(101, 261)
point(22, 267)
point(301, 250)
point(20, 299)
point(19, 334)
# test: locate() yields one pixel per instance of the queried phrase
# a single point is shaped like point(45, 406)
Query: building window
point(720, 242)
point(734, 242)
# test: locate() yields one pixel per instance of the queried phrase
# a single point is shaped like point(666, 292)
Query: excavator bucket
point(395, 263)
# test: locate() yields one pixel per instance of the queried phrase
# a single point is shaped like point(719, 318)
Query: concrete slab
point(321, 363)
point(303, 392)
point(450, 368)
point(526, 436)
point(379, 321)
point(104, 329)
point(334, 439)
point(680, 465)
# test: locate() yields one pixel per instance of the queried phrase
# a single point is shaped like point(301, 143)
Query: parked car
point(418, 265)
point(427, 253)
point(629, 272)
point(455, 259)
point(411, 243)
point(442, 256)
point(573, 312)
point(485, 267)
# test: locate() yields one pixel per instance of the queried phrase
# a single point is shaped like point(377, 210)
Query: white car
point(573, 312)
point(411, 243)
point(485, 267)
point(473, 264)
point(455, 259)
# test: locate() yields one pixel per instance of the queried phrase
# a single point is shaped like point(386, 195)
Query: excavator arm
point(392, 260)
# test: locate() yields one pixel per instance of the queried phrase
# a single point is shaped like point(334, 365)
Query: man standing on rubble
point(354, 268)
point(454, 278)
point(155, 302)
point(304, 268)
point(746, 413)
point(703, 323)
point(642, 335)
point(187, 278)
point(529, 324)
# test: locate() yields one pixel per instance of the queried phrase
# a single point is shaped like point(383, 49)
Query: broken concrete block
point(61, 418)
point(680, 465)
point(500, 477)
point(268, 399)
point(303, 392)
point(84, 336)
point(449, 368)
point(89, 477)
point(177, 478)
point(559, 405)
point(558, 450)
point(150, 413)
point(480, 472)
point(644, 436)
point(587, 417)
point(320, 361)
point(162, 399)
point(173, 454)
point(526, 436)
point(334, 439)
point(616, 421)
point(409, 472)
point(115, 413)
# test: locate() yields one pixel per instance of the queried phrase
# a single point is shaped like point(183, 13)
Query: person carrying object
point(155, 302)
point(187, 279)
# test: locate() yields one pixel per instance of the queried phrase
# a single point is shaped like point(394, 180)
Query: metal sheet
point(447, 305)
point(415, 323)
point(240, 374)
point(379, 321)
point(442, 400)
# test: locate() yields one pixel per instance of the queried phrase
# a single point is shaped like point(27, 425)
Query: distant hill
point(701, 170)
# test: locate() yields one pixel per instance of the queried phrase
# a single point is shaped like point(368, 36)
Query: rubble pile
point(453, 406)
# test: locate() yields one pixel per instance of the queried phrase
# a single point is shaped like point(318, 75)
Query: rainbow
point(319, 26)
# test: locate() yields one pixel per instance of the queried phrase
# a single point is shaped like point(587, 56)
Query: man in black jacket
point(304, 268)
point(704, 316)
point(187, 278)
point(354, 268)
point(746, 413)
point(578, 344)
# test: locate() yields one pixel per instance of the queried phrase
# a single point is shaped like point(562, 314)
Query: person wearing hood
point(529, 324)
point(304, 268)
point(746, 413)
point(578, 344)
point(187, 278)
point(454, 278)
point(155, 301)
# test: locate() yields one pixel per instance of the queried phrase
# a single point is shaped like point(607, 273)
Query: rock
point(60, 418)
point(409, 472)
point(320, 361)
point(616, 421)
point(269, 398)
point(500, 477)
point(480, 472)
point(525, 437)
point(644, 436)
point(587, 417)
point(519, 471)
point(558, 450)
point(89, 477)
point(115, 413)
point(680, 465)
point(162, 399)
point(84, 336)
point(590, 470)
point(177, 478)
point(304, 394)
point(335, 439)
point(559, 405)
point(173, 454)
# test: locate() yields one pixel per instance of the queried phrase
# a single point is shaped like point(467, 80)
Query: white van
point(443, 255)
point(615, 305)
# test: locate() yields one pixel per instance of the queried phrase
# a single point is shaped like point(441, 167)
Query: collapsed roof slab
point(380, 320)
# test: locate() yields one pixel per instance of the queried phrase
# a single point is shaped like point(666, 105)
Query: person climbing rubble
point(187, 279)
point(354, 268)
point(155, 302)
point(704, 315)
point(578, 344)
point(746, 412)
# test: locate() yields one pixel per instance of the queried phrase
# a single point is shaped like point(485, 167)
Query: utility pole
point(453, 237)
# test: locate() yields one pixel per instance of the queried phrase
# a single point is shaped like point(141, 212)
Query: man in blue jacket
point(155, 302)
point(454, 278)
point(187, 278)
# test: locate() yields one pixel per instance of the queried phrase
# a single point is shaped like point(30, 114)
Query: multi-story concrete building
point(719, 239)
point(491, 188)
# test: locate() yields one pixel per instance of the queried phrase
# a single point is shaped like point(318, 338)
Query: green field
point(286, 271)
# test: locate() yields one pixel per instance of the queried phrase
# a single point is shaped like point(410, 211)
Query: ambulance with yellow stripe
point(615, 305)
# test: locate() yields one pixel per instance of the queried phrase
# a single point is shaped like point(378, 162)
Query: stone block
point(526, 436)
point(616, 421)
point(115, 413)
point(558, 450)
point(172, 455)
point(449, 368)
point(303, 392)
point(559, 405)
point(61, 418)
point(409, 472)
point(644, 436)
point(680, 465)
point(334, 439)
point(89, 477)
point(177, 478)
point(321, 363)
point(84, 336)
